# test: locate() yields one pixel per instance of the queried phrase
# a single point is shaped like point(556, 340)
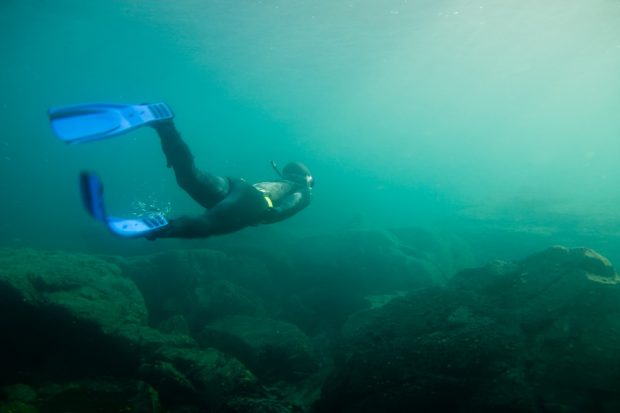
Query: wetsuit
point(231, 203)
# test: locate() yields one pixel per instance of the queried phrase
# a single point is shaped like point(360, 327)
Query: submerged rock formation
point(68, 317)
point(534, 335)
point(274, 350)
point(362, 321)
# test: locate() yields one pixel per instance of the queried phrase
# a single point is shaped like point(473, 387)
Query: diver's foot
point(164, 127)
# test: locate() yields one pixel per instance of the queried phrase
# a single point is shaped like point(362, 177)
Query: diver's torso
point(277, 190)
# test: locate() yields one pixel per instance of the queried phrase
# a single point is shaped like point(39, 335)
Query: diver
point(231, 204)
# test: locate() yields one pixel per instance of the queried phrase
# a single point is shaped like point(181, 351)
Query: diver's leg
point(185, 227)
point(204, 188)
point(244, 206)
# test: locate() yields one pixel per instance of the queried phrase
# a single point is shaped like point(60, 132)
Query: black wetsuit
point(231, 203)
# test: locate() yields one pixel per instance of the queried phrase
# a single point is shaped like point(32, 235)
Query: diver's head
point(298, 173)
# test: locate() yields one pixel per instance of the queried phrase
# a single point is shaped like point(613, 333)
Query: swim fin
point(91, 189)
point(83, 123)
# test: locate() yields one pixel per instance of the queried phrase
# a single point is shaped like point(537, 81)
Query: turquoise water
point(408, 112)
point(442, 135)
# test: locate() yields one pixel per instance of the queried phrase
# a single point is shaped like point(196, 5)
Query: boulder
point(91, 395)
point(533, 335)
point(58, 310)
point(19, 393)
point(200, 285)
point(334, 273)
point(17, 407)
point(220, 298)
point(86, 288)
point(99, 395)
point(17, 398)
point(414, 351)
point(263, 404)
point(212, 376)
point(175, 325)
point(547, 287)
point(274, 350)
point(567, 304)
point(71, 316)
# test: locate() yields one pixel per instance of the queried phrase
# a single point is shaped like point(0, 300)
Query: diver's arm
point(290, 205)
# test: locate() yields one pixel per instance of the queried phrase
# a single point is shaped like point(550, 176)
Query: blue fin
point(91, 189)
point(83, 123)
point(136, 227)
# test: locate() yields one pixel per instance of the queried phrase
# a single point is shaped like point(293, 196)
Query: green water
point(475, 114)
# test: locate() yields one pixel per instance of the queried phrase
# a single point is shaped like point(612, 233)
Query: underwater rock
point(260, 405)
point(139, 342)
point(546, 287)
point(533, 335)
point(200, 285)
point(427, 351)
point(215, 377)
point(17, 398)
point(70, 316)
point(179, 370)
point(80, 296)
point(567, 303)
point(175, 325)
point(98, 396)
point(273, 350)
point(173, 386)
point(221, 298)
point(19, 393)
point(339, 270)
point(167, 280)
point(314, 282)
point(86, 288)
point(17, 407)
point(58, 309)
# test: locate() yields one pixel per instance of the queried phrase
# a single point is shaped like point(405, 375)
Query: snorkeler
point(231, 203)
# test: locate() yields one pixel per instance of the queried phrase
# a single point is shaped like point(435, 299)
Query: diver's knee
point(186, 183)
point(223, 185)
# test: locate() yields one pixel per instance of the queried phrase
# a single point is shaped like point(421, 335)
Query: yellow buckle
point(269, 201)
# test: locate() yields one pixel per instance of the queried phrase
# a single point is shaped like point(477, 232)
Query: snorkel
point(275, 168)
